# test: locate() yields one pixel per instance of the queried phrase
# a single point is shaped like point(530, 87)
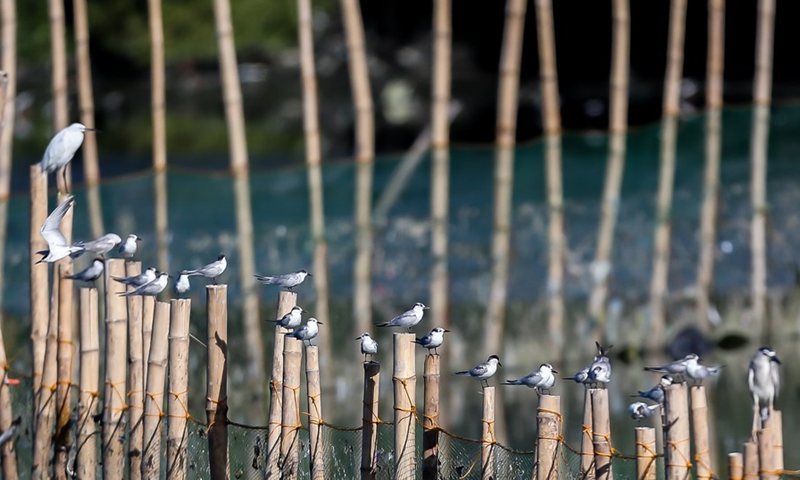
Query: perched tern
point(433, 340)
point(678, 367)
point(90, 273)
point(581, 377)
point(212, 270)
point(368, 345)
point(182, 285)
point(656, 393)
point(542, 380)
point(138, 280)
point(698, 372)
point(292, 319)
point(150, 289)
point(287, 280)
point(129, 246)
point(99, 246)
point(57, 245)
point(641, 410)
point(483, 371)
point(307, 332)
point(600, 368)
point(407, 319)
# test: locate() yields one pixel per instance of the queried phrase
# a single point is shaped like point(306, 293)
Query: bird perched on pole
point(483, 371)
point(286, 280)
point(407, 319)
point(433, 340)
point(368, 345)
point(764, 380)
point(90, 273)
point(212, 270)
point(541, 380)
point(62, 148)
point(128, 248)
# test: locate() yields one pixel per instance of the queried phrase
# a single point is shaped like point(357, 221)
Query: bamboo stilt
point(669, 133)
point(405, 389)
point(315, 438)
point(65, 359)
point(178, 398)
point(751, 460)
point(735, 466)
point(115, 397)
point(601, 434)
point(162, 221)
point(646, 455)
point(677, 456)
point(45, 401)
point(587, 438)
point(217, 381)
point(137, 378)
point(58, 51)
point(708, 215)
point(777, 425)
point(365, 156)
point(369, 421)
point(8, 452)
point(430, 424)
point(702, 445)
point(286, 301)
point(314, 164)
point(91, 170)
point(766, 454)
point(158, 90)
point(290, 420)
point(504, 170)
point(154, 398)
point(488, 439)
point(148, 315)
point(38, 273)
point(86, 459)
point(549, 434)
point(8, 62)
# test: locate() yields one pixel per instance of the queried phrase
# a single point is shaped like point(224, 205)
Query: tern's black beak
point(776, 360)
point(319, 323)
point(554, 370)
point(309, 275)
point(87, 129)
point(446, 330)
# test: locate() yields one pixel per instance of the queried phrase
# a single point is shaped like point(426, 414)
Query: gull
point(212, 270)
point(62, 148)
point(641, 410)
point(129, 246)
point(99, 246)
point(182, 285)
point(541, 380)
point(57, 245)
point(656, 393)
point(407, 319)
point(368, 345)
point(764, 380)
point(483, 371)
point(287, 280)
point(678, 367)
point(433, 340)
point(138, 280)
point(698, 372)
point(150, 289)
point(307, 332)
point(91, 273)
point(292, 319)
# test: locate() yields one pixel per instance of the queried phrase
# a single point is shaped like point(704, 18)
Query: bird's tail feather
point(263, 279)
point(653, 369)
point(384, 324)
point(44, 254)
point(512, 382)
point(465, 372)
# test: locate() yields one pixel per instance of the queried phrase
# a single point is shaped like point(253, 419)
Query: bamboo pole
point(115, 383)
point(646, 455)
point(38, 275)
point(45, 401)
point(158, 90)
point(708, 215)
point(750, 460)
point(286, 301)
point(776, 417)
point(365, 156)
point(148, 314)
point(4, 177)
point(440, 174)
point(315, 423)
point(162, 225)
point(8, 62)
point(702, 445)
point(178, 398)
point(548, 75)
point(217, 381)
point(601, 434)
point(89, 387)
point(766, 454)
point(676, 433)
point(549, 437)
point(735, 466)
point(618, 125)
point(65, 365)
point(8, 452)
point(762, 95)
point(430, 423)
point(587, 438)
point(290, 408)
point(369, 421)
point(58, 51)
point(504, 170)
point(154, 398)
point(405, 390)
point(314, 165)
point(488, 440)
point(137, 378)
point(666, 175)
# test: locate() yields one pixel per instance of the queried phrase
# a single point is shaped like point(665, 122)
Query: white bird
point(656, 393)
point(407, 319)
point(307, 332)
point(287, 280)
point(368, 345)
point(182, 285)
point(678, 367)
point(99, 246)
point(542, 380)
point(581, 377)
point(641, 410)
point(764, 380)
point(698, 372)
point(483, 371)
point(57, 245)
point(129, 246)
point(292, 319)
point(150, 289)
point(138, 280)
point(62, 148)
point(600, 368)
point(90, 273)
point(433, 340)
point(212, 270)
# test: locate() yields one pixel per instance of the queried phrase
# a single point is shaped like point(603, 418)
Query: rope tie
point(698, 457)
point(490, 428)
point(433, 419)
point(553, 412)
point(648, 449)
point(687, 463)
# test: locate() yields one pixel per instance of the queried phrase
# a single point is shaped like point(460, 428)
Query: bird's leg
point(215, 280)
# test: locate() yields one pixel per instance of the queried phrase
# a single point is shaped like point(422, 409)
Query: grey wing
point(479, 370)
point(534, 378)
point(51, 228)
point(426, 340)
point(751, 376)
point(409, 315)
point(775, 375)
